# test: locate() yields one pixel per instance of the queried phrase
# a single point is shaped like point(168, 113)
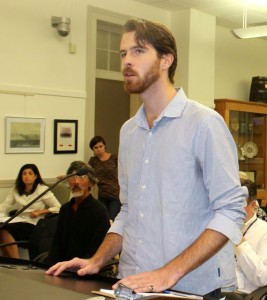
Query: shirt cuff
point(227, 227)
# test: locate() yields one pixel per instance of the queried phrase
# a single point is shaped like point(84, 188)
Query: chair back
point(61, 192)
point(42, 236)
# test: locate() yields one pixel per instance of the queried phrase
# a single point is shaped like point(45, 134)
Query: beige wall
point(35, 60)
point(49, 107)
point(195, 35)
point(237, 61)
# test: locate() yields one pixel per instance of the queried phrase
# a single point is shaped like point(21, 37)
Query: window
point(107, 46)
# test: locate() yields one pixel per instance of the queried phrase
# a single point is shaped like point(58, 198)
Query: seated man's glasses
point(79, 178)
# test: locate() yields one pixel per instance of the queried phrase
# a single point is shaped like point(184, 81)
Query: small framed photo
point(65, 136)
point(25, 135)
point(251, 175)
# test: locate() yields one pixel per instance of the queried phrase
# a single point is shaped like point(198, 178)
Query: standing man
point(179, 185)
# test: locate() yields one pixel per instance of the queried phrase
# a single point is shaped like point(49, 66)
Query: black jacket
point(80, 233)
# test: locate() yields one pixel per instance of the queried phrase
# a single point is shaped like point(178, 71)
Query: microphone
point(80, 172)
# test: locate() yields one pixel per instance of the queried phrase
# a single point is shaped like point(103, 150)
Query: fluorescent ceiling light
point(250, 32)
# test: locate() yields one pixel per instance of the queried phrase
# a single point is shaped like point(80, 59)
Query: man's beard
point(77, 192)
point(139, 85)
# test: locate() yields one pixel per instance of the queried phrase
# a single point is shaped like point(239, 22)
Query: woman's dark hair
point(96, 139)
point(19, 184)
point(157, 35)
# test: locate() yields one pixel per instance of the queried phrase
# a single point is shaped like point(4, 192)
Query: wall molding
point(32, 91)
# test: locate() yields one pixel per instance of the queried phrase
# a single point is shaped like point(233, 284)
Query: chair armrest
point(18, 243)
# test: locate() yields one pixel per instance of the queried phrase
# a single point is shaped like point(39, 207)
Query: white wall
point(50, 108)
point(195, 36)
point(35, 59)
point(237, 61)
point(33, 55)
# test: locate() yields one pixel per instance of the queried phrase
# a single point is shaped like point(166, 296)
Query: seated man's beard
point(77, 191)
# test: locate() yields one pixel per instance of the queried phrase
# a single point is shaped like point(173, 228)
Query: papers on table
point(168, 293)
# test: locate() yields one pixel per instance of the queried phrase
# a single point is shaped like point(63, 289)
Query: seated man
point(251, 254)
point(260, 212)
point(82, 223)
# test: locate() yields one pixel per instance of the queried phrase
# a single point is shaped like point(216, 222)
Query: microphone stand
point(34, 200)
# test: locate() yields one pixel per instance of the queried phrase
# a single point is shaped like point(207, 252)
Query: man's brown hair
point(157, 35)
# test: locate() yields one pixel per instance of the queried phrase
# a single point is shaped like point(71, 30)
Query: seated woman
point(82, 222)
point(29, 184)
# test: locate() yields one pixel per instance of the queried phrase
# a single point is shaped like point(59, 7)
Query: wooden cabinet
point(247, 122)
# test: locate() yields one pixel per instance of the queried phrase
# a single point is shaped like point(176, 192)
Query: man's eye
point(138, 51)
point(122, 54)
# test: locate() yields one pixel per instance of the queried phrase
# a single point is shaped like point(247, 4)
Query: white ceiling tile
point(231, 10)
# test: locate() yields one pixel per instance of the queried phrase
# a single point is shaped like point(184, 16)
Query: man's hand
point(82, 266)
point(206, 245)
point(154, 281)
point(111, 246)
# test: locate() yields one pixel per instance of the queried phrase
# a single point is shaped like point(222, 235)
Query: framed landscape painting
point(25, 135)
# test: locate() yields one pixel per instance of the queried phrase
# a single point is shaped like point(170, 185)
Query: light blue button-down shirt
point(177, 179)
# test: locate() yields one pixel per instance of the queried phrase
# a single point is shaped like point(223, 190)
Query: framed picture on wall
point(25, 135)
point(251, 175)
point(65, 136)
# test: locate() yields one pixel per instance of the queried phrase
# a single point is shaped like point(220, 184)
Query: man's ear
point(167, 60)
point(253, 204)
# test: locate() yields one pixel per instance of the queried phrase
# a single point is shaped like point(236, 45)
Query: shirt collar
point(174, 109)
point(249, 222)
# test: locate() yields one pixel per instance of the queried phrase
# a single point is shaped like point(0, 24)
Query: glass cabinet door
point(247, 122)
point(248, 132)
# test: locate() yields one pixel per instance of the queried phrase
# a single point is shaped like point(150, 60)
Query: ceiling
point(228, 13)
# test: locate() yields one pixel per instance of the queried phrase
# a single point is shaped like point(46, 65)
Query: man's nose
point(76, 179)
point(126, 60)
